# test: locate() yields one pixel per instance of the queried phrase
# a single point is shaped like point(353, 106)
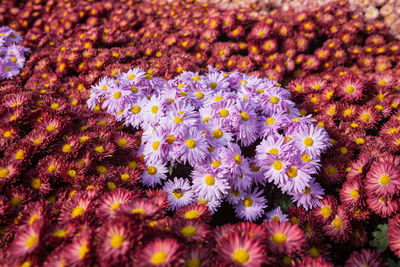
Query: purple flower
point(276, 215)
point(179, 193)
point(245, 123)
point(193, 148)
point(310, 196)
point(208, 184)
point(311, 140)
point(153, 174)
point(252, 206)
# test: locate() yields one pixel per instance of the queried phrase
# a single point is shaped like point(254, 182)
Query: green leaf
point(392, 263)
point(380, 241)
point(170, 169)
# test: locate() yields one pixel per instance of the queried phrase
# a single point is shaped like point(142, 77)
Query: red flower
point(283, 237)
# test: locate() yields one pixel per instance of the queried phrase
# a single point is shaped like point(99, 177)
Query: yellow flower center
point(360, 141)
point(4, 173)
point(200, 95)
point(122, 142)
point(308, 141)
point(99, 149)
point(276, 218)
point(191, 143)
point(72, 173)
point(60, 233)
point(178, 120)
point(279, 238)
point(20, 155)
point(354, 194)
point(331, 170)
point(139, 211)
point(137, 109)
point(154, 109)
point(196, 78)
point(188, 231)
point(210, 180)
point(67, 148)
point(326, 211)
point(238, 159)
point(83, 250)
point(115, 206)
point(241, 256)
point(217, 133)
point(151, 170)
point(159, 257)
point(307, 190)
point(36, 183)
point(51, 128)
point(292, 173)
point(193, 263)
point(248, 202)
point(384, 180)
point(244, 116)
point(192, 214)
point(170, 139)
point(31, 241)
point(349, 89)
point(117, 241)
point(366, 117)
point(278, 165)
point(224, 113)
point(213, 85)
point(382, 83)
point(274, 100)
point(337, 223)
point(78, 211)
point(131, 76)
point(15, 201)
point(7, 134)
point(314, 252)
point(117, 95)
point(155, 145)
point(125, 177)
point(177, 193)
point(305, 157)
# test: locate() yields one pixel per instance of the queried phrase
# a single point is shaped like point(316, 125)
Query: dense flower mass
point(206, 124)
point(12, 55)
point(71, 180)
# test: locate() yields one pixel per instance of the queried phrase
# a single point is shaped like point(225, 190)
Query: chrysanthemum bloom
point(241, 250)
point(382, 205)
point(191, 230)
point(393, 235)
point(338, 229)
point(383, 179)
point(283, 237)
point(252, 206)
point(310, 140)
point(326, 210)
point(78, 252)
point(365, 257)
point(277, 215)
point(153, 174)
point(194, 212)
point(193, 149)
point(197, 256)
point(179, 193)
point(209, 185)
point(140, 208)
point(77, 208)
point(115, 240)
point(311, 195)
point(351, 193)
point(26, 240)
point(111, 201)
point(313, 262)
point(160, 252)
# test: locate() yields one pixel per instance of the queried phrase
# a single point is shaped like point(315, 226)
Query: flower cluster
point(12, 55)
point(209, 123)
point(75, 43)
